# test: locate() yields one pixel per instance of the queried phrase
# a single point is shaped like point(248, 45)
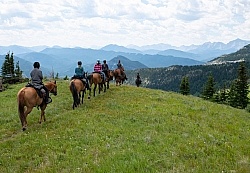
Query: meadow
point(126, 129)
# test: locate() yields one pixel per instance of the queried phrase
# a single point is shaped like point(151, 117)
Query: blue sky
point(96, 23)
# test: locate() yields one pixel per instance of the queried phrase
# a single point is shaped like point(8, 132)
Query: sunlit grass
point(126, 129)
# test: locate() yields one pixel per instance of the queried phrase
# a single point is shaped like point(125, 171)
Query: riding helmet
point(104, 61)
point(98, 61)
point(36, 65)
point(79, 62)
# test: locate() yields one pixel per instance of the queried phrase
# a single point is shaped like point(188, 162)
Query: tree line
point(235, 96)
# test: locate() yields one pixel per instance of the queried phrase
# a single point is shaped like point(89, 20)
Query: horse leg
point(42, 117)
point(104, 87)
point(95, 89)
point(89, 93)
point(79, 98)
point(100, 88)
point(83, 95)
point(24, 123)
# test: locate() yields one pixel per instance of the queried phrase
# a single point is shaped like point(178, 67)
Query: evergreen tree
point(18, 72)
point(5, 65)
point(243, 85)
point(11, 66)
point(209, 89)
point(184, 87)
point(238, 95)
point(9, 73)
point(57, 76)
point(223, 94)
point(233, 95)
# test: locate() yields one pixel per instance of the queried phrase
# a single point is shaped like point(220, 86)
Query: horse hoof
point(24, 128)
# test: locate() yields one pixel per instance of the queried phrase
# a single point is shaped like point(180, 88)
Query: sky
point(96, 23)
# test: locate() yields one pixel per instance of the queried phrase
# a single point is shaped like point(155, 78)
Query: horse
point(77, 88)
point(27, 98)
point(109, 76)
point(138, 82)
point(119, 76)
point(96, 79)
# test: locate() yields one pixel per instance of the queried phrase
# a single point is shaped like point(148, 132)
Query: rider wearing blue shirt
point(80, 73)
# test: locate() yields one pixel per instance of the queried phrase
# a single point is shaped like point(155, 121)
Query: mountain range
point(224, 70)
point(63, 60)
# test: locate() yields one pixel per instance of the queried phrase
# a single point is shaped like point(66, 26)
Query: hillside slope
point(126, 129)
point(242, 54)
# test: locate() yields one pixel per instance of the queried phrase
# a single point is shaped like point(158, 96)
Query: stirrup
point(49, 100)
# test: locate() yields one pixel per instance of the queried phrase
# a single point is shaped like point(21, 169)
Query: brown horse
point(28, 98)
point(109, 76)
point(119, 76)
point(138, 82)
point(96, 79)
point(77, 88)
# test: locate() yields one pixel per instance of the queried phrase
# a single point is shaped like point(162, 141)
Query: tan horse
point(119, 76)
point(28, 98)
point(96, 79)
point(77, 88)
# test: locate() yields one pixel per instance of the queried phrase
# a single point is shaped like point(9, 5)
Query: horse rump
point(74, 94)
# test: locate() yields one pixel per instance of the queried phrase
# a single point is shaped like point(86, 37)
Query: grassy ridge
point(126, 129)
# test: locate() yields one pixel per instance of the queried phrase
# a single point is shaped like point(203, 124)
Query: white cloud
point(100, 22)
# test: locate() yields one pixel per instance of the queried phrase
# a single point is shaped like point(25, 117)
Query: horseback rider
point(105, 68)
point(138, 79)
point(80, 74)
point(98, 68)
point(120, 66)
point(36, 80)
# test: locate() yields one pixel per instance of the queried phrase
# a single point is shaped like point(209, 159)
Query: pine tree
point(184, 86)
point(209, 89)
point(9, 73)
point(5, 65)
point(243, 85)
point(233, 95)
point(223, 94)
point(11, 66)
point(18, 72)
point(238, 95)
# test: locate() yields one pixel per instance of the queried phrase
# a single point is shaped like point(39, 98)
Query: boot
point(47, 98)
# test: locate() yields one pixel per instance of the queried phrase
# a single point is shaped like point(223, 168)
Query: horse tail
point(20, 102)
point(74, 93)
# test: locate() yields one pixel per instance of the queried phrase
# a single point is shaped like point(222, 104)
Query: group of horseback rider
point(37, 76)
point(103, 69)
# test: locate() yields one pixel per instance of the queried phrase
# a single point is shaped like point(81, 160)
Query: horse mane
point(49, 85)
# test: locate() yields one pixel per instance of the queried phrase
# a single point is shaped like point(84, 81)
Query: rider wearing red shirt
point(98, 68)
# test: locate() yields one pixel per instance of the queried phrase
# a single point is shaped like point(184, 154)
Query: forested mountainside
point(242, 54)
point(169, 79)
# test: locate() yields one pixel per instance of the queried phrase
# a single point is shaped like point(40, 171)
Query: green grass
point(126, 129)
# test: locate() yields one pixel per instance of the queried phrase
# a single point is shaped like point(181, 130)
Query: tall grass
point(126, 129)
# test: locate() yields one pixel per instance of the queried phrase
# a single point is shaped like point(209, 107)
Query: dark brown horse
point(138, 82)
point(77, 88)
point(109, 76)
point(96, 79)
point(119, 76)
point(27, 98)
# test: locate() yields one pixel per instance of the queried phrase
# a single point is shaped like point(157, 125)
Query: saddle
point(102, 76)
point(80, 78)
point(41, 92)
